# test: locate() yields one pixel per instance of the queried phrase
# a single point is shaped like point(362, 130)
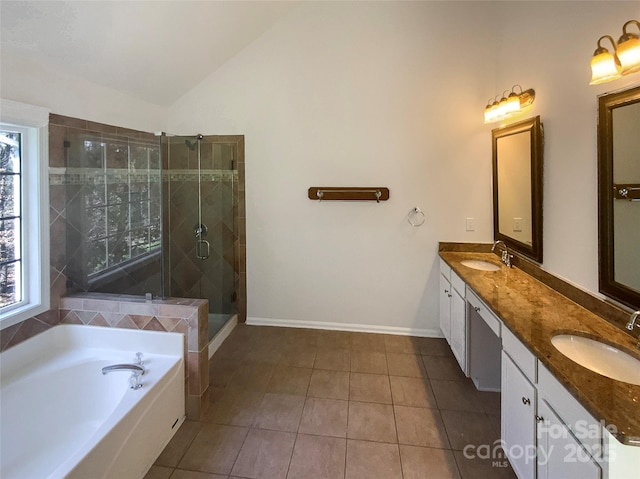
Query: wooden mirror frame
point(606, 279)
point(534, 126)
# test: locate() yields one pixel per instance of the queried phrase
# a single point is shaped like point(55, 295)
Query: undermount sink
point(480, 265)
point(599, 357)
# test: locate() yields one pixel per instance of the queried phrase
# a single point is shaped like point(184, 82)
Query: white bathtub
point(61, 417)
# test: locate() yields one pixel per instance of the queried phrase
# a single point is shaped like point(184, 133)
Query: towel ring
point(412, 213)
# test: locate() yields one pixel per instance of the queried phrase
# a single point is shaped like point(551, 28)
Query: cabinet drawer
point(484, 312)
point(445, 269)
point(582, 424)
point(524, 358)
point(458, 284)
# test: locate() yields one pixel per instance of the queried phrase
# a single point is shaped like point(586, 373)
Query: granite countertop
point(535, 313)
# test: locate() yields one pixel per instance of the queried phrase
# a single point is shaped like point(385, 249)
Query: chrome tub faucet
point(136, 372)
point(506, 256)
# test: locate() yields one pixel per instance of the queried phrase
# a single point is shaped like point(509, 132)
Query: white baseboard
point(361, 328)
point(221, 335)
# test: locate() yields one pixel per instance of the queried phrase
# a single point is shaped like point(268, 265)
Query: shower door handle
point(202, 249)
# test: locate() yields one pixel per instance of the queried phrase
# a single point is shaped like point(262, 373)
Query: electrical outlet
point(471, 224)
point(517, 224)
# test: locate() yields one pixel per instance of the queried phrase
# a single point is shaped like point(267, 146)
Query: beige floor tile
point(324, 417)
point(468, 428)
point(367, 342)
point(490, 402)
point(415, 392)
point(159, 472)
point(265, 455)
point(371, 460)
point(443, 367)
point(333, 359)
point(371, 422)
point(475, 468)
point(409, 365)
point(421, 462)
point(434, 347)
point(252, 377)
point(290, 380)
point(369, 388)
point(329, 384)
point(334, 339)
point(456, 395)
point(401, 344)
point(235, 407)
point(298, 355)
point(182, 474)
point(214, 449)
point(420, 427)
point(280, 412)
point(316, 457)
point(368, 362)
point(179, 444)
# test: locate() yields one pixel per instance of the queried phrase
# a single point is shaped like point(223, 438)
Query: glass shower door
point(200, 228)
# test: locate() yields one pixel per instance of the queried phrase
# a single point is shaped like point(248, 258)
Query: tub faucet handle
point(138, 359)
point(134, 381)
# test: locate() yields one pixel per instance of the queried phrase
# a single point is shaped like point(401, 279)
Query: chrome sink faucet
point(136, 371)
point(632, 321)
point(506, 256)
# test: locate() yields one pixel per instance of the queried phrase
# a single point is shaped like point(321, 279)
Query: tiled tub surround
point(534, 312)
point(186, 316)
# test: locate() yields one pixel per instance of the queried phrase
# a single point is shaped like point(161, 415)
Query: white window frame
point(33, 123)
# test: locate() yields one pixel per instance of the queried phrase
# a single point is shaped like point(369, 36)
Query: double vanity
point(569, 379)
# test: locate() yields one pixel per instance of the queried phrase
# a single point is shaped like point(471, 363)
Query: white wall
point(549, 48)
point(356, 94)
point(39, 84)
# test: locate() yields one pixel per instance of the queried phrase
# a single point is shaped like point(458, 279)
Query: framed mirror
point(619, 196)
point(517, 186)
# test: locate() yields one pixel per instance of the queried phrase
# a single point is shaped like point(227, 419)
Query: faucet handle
point(134, 380)
point(138, 359)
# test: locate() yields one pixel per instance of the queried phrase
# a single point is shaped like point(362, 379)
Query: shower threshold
point(220, 327)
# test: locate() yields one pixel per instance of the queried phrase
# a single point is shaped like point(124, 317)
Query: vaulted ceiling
point(154, 50)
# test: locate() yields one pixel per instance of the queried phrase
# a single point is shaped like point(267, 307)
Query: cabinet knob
point(526, 401)
point(449, 295)
point(476, 309)
point(539, 418)
point(446, 290)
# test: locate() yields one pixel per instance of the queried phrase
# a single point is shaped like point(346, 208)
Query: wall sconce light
point(510, 104)
point(624, 60)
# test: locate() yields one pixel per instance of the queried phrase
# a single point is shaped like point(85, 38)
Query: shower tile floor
point(296, 403)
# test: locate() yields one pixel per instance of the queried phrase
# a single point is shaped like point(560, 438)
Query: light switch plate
point(471, 224)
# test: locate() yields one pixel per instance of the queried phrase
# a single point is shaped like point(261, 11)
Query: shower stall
point(200, 222)
point(159, 216)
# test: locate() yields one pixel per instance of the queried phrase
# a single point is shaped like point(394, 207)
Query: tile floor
point(291, 403)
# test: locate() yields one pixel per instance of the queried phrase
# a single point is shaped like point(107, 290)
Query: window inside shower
point(114, 221)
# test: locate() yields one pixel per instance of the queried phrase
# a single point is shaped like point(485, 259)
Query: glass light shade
point(604, 67)
point(629, 54)
point(513, 104)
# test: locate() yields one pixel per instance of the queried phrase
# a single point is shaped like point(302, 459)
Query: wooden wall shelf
point(363, 193)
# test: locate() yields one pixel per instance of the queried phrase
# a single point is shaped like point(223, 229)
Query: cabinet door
point(458, 320)
point(445, 311)
point(559, 453)
point(518, 420)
